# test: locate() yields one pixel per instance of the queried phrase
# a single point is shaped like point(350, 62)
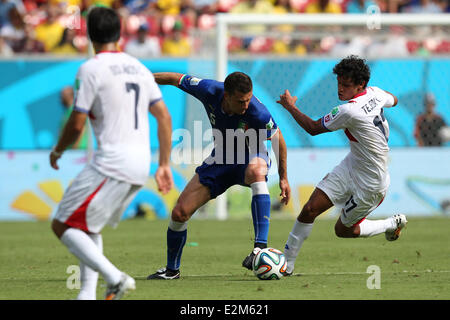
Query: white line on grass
point(358, 273)
point(320, 273)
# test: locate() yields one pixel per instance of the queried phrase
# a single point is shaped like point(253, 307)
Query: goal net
point(372, 35)
point(298, 52)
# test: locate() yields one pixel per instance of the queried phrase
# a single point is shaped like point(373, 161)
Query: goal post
point(372, 24)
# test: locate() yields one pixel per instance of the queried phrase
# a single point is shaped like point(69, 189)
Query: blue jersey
point(256, 117)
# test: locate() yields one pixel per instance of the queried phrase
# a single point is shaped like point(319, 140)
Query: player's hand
point(285, 191)
point(286, 100)
point(54, 156)
point(164, 179)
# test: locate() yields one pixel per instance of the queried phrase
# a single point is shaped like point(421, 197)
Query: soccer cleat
point(286, 274)
point(400, 222)
point(164, 274)
point(289, 268)
point(115, 292)
point(289, 265)
point(248, 261)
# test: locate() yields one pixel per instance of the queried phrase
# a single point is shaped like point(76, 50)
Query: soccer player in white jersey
point(116, 92)
point(359, 183)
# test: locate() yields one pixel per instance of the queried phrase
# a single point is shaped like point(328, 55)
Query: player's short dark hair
point(238, 81)
point(353, 68)
point(103, 25)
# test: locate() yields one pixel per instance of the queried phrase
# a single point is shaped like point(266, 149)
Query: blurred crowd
point(153, 28)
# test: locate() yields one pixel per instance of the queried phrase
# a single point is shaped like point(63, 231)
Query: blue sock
point(175, 244)
point(261, 216)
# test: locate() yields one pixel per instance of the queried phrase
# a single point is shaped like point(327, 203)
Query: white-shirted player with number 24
point(116, 92)
point(359, 183)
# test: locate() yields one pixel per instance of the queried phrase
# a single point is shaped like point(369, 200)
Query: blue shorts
point(219, 177)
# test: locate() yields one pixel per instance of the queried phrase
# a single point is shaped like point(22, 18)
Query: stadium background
point(31, 112)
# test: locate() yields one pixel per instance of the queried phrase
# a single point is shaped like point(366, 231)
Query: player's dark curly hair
point(103, 25)
point(238, 81)
point(353, 68)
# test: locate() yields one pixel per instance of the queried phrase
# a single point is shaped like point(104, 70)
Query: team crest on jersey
point(334, 112)
point(269, 124)
point(243, 125)
point(77, 88)
point(194, 81)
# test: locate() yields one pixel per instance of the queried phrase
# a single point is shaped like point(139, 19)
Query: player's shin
point(370, 228)
point(260, 212)
point(82, 246)
point(88, 276)
point(299, 233)
point(88, 280)
point(176, 239)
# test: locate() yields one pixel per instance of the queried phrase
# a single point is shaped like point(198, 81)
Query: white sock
point(82, 246)
point(259, 187)
point(177, 226)
point(369, 228)
point(88, 276)
point(299, 233)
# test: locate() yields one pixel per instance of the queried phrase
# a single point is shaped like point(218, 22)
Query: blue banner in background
point(420, 185)
point(31, 112)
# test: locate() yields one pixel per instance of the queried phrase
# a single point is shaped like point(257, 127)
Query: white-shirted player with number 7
point(359, 183)
point(116, 92)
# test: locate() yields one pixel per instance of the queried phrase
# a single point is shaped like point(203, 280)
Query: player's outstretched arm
point(171, 78)
point(70, 134)
point(310, 126)
point(163, 175)
point(280, 150)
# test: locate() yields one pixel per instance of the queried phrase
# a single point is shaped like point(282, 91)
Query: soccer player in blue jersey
point(231, 108)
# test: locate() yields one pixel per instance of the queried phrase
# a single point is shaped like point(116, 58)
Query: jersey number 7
point(135, 87)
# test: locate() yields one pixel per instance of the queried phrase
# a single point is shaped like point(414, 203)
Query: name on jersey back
point(124, 68)
point(370, 105)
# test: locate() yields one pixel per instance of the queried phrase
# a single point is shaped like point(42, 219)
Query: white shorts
point(356, 204)
point(94, 200)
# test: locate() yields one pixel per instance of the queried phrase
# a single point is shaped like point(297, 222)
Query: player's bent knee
point(308, 213)
point(338, 231)
point(344, 232)
point(180, 214)
point(58, 228)
point(256, 172)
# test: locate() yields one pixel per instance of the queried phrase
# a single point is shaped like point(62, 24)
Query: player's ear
point(361, 86)
point(364, 84)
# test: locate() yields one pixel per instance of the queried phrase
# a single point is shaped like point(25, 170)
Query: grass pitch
point(417, 266)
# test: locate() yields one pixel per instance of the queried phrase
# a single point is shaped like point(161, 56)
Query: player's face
point(347, 89)
point(238, 101)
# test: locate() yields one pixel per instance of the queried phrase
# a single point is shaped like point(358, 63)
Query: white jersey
point(116, 91)
point(367, 129)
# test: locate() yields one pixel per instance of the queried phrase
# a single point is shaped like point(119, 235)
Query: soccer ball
point(269, 264)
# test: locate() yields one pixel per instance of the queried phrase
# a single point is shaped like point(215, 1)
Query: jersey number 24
point(378, 122)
